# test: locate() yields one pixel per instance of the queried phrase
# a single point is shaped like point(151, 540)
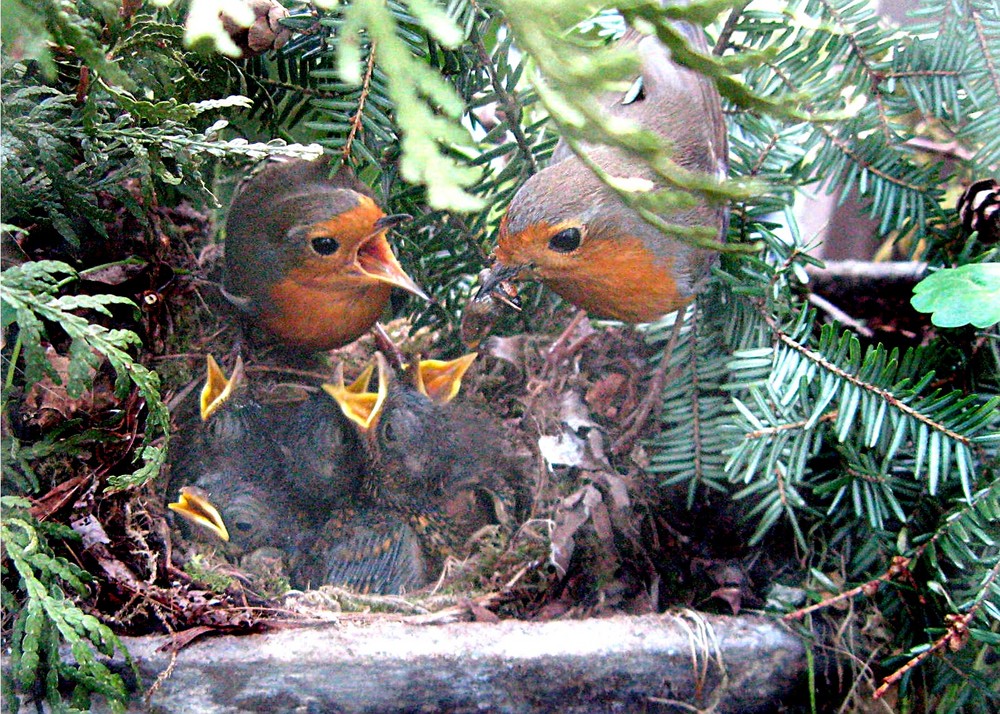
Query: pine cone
point(979, 210)
point(265, 34)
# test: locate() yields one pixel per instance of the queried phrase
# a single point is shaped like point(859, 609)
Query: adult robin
point(307, 258)
point(569, 230)
point(440, 463)
point(230, 470)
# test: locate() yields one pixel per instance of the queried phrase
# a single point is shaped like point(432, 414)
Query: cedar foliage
point(860, 452)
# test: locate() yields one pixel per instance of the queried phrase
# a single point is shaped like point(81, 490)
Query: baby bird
point(439, 463)
point(231, 471)
point(371, 551)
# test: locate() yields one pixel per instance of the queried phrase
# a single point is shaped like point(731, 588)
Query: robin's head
point(573, 233)
point(293, 226)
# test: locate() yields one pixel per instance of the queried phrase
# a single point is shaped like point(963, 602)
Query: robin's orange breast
point(321, 317)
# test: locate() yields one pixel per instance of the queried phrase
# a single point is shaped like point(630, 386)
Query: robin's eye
point(388, 432)
point(325, 245)
point(565, 241)
point(244, 526)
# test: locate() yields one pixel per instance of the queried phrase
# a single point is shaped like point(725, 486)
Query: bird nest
point(593, 533)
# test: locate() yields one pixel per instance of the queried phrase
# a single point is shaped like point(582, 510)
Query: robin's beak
point(360, 406)
point(193, 504)
point(218, 389)
point(496, 286)
point(386, 223)
point(439, 379)
point(376, 259)
point(495, 283)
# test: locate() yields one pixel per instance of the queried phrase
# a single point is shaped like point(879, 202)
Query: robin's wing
point(370, 553)
point(673, 96)
point(664, 97)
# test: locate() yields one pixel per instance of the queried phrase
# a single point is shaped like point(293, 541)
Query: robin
point(307, 258)
point(323, 457)
point(567, 229)
point(373, 551)
point(231, 471)
point(438, 462)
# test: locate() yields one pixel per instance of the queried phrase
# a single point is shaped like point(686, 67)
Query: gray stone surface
point(619, 664)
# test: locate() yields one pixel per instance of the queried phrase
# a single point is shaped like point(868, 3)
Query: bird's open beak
point(218, 389)
point(193, 504)
point(360, 406)
point(439, 379)
point(376, 259)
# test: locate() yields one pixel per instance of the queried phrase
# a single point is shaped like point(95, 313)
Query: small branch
point(860, 271)
point(509, 104)
point(772, 430)
point(898, 569)
point(984, 47)
point(884, 394)
point(949, 150)
point(727, 30)
point(366, 84)
point(839, 315)
point(867, 166)
point(955, 638)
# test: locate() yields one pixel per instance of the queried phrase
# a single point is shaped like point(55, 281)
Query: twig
point(885, 394)
point(955, 637)
point(839, 315)
point(509, 104)
point(356, 119)
point(727, 30)
point(899, 568)
point(863, 272)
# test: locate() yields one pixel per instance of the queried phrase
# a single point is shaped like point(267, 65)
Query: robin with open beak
point(230, 471)
point(569, 230)
point(306, 255)
point(441, 465)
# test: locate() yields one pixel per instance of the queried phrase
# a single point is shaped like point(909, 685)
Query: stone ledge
point(616, 664)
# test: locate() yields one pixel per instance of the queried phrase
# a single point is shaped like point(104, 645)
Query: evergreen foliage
point(861, 452)
point(47, 618)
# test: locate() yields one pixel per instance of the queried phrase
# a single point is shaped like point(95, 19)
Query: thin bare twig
point(356, 119)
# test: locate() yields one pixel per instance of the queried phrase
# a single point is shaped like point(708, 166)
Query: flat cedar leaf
point(967, 295)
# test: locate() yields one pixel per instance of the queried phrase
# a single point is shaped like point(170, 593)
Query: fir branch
point(883, 394)
point(849, 33)
point(508, 102)
point(984, 46)
point(768, 432)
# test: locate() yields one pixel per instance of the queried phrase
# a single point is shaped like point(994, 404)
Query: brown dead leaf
point(117, 273)
point(571, 514)
point(49, 404)
point(180, 640)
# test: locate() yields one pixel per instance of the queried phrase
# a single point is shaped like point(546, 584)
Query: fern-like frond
point(30, 300)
